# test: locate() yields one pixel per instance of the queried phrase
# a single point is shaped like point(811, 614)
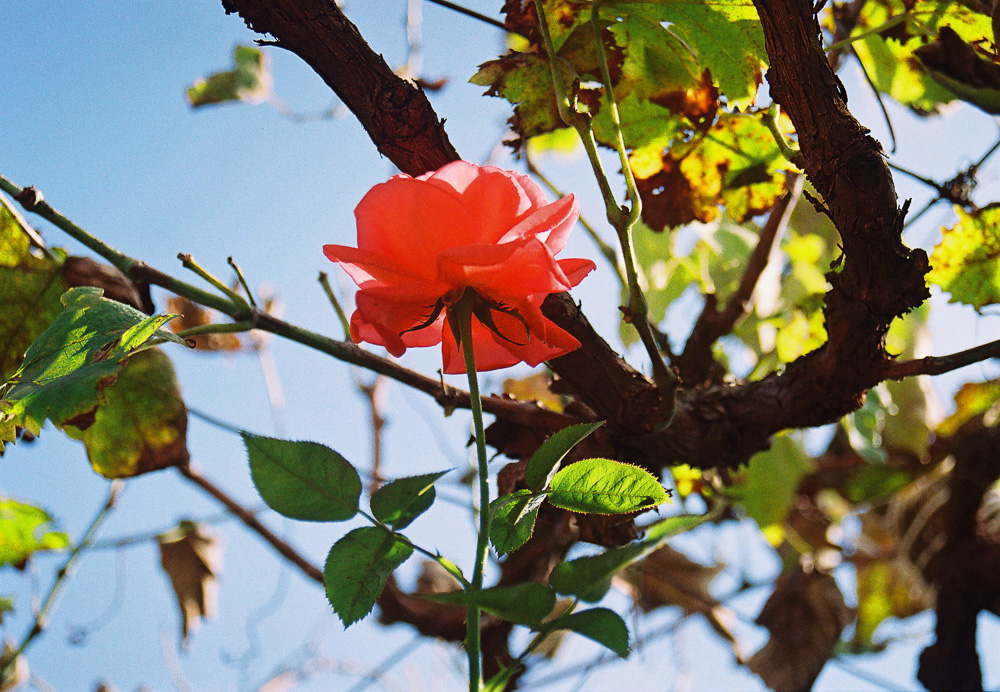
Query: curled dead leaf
point(192, 315)
point(83, 271)
point(192, 559)
point(805, 616)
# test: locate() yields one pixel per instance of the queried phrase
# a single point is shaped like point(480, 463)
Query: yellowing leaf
point(192, 559)
point(735, 164)
point(966, 263)
point(771, 480)
point(141, 425)
point(24, 531)
point(30, 286)
point(248, 81)
point(973, 399)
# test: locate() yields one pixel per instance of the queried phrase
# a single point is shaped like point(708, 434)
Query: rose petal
point(411, 221)
point(490, 355)
point(576, 269)
point(366, 267)
point(385, 321)
point(514, 269)
point(551, 224)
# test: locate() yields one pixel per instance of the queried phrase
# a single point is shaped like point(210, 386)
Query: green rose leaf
point(24, 531)
point(512, 519)
point(67, 367)
point(522, 604)
point(544, 463)
point(589, 578)
point(605, 486)
point(602, 625)
point(966, 263)
point(357, 567)
point(303, 480)
point(141, 424)
point(249, 81)
point(398, 503)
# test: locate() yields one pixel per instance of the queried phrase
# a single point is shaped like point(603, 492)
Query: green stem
point(61, 575)
point(449, 566)
point(127, 265)
point(324, 281)
point(663, 377)
point(236, 298)
point(462, 312)
point(243, 281)
point(223, 328)
point(575, 119)
point(888, 24)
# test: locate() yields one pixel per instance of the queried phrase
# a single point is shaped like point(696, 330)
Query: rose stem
point(462, 311)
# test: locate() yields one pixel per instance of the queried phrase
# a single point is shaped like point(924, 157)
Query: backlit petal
point(367, 267)
point(551, 224)
point(512, 269)
point(411, 221)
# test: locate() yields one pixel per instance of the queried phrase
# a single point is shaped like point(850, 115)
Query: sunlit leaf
point(398, 503)
point(24, 531)
point(971, 400)
point(303, 480)
point(954, 64)
point(81, 353)
point(544, 463)
point(605, 486)
point(248, 81)
point(736, 164)
point(357, 568)
point(887, 588)
point(966, 263)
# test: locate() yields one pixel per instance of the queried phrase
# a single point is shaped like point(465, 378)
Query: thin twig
point(472, 13)
point(937, 365)
point(878, 97)
point(251, 521)
point(62, 574)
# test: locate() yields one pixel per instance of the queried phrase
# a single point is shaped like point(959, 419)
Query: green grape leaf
point(30, 286)
point(67, 367)
point(249, 81)
point(892, 59)
point(735, 163)
point(141, 424)
point(357, 568)
point(544, 463)
point(966, 263)
point(303, 480)
point(523, 604)
point(605, 486)
point(771, 480)
point(724, 36)
point(589, 578)
point(512, 519)
point(24, 531)
point(602, 625)
point(887, 589)
point(398, 503)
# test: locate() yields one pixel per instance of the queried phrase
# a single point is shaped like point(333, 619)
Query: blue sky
point(93, 114)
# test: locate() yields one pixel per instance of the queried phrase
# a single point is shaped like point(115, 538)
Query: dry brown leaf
point(192, 315)
point(805, 616)
point(83, 271)
point(192, 559)
point(668, 577)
